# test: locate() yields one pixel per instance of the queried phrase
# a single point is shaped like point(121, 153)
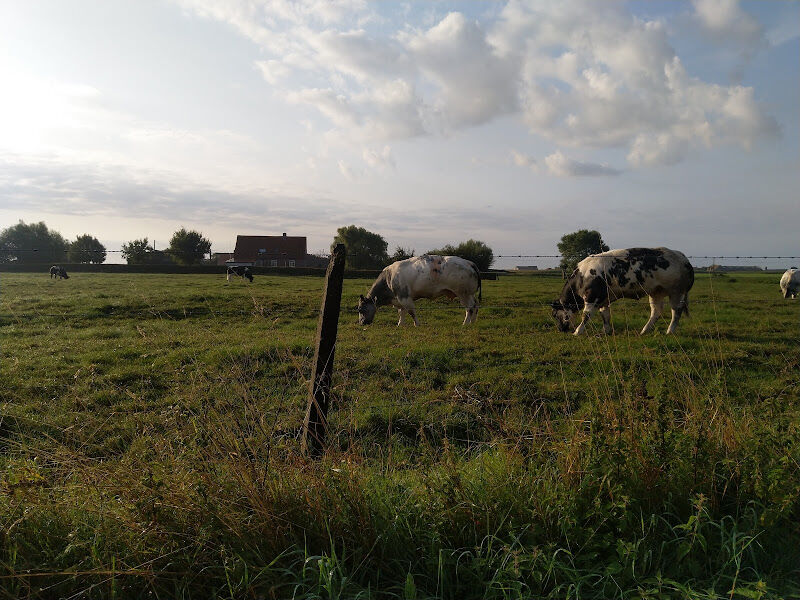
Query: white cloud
point(582, 73)
point(726, 20)
point(379, 158)
point(337, 107)
point(474, 84)
point(785, 30)
point(562, 166)
point(726, 24)
point(523, 160)
point(657, 149)
point(273, 71)
point(348, 171)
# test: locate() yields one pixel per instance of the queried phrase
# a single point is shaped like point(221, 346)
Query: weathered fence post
point(315, 425)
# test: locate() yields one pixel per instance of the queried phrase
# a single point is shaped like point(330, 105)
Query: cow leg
point(605, 312)
point(588, 311)
point(472, 309)
point(408, 306)
point(677, 304)
point(228, 277)
point(402, 314)
point(656, 308)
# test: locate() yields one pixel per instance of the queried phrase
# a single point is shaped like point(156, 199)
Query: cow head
point(366, 310)
point(564, 315)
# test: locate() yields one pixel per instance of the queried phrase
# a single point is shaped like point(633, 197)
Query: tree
point(137, 252)
point(32, 243)
point(401, 253)
point(86, 249)
point(365, 250)
point(576, 246)
point(188, 247)
point(474, 250)
point(140, 252)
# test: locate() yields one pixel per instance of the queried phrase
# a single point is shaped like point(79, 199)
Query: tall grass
point(149, 448)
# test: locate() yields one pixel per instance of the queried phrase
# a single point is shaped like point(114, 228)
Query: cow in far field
point(58, 272)
point(426, 276)
point(601, 279)
point(790, 283)
point(243, 272)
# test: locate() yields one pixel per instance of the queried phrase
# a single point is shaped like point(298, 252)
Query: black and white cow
point(58, 272)
point(426, 276)
point(601, 279)
point(790, 283)
point(243, 272)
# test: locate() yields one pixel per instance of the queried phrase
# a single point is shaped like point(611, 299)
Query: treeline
point(185, 248)
point(368, 250)
point(36, 243)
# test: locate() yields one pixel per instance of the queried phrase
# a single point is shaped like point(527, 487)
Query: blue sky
point(657, 123)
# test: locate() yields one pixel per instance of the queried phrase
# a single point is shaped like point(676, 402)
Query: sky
point(657, 123)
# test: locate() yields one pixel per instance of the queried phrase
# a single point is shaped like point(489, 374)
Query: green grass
point(149, 445)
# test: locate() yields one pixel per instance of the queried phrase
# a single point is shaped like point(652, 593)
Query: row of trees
point(185, 248)
point(35, 243)
point(368, 250)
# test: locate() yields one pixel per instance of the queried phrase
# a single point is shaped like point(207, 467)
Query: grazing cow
point(601, 279)
point(58, 272)
point(243, 272)
point(426, 276)
point(790, 283)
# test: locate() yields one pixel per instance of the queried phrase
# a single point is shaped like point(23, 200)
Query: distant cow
point(603, 278)
point(790, 283)
point(243, 272)
point(58, 272)
point(426, 276)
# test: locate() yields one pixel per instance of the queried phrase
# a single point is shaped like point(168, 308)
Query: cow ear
point(361, 296)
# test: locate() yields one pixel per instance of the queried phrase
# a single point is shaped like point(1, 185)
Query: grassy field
point(149, 445)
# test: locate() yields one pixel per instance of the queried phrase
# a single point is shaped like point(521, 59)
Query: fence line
point(178, 314)
point(12, 251)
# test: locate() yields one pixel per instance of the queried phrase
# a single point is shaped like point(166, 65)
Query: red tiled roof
point(250, 248)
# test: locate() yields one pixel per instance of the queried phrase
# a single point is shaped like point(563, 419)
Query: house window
point(273, 262)
point(291, 263)
point(262, 250)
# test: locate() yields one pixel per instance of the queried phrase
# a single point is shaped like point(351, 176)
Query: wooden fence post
point(315, 425)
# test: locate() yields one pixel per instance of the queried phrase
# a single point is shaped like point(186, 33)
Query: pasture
point(149, 444)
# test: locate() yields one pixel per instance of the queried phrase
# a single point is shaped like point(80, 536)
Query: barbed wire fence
point(13, 250)
point(438, 306)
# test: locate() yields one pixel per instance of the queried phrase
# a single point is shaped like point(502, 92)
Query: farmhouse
point(273, 251)
point(221, 258)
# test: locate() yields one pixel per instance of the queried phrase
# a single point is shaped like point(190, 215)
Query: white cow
point(243, 272)
point(790, 283)
point(601, 279)
point(426, 276)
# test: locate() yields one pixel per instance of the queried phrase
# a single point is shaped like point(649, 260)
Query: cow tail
point(480, 287)
point(686, 304)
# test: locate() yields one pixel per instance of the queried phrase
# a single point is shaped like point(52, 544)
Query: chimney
point(284, 235)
